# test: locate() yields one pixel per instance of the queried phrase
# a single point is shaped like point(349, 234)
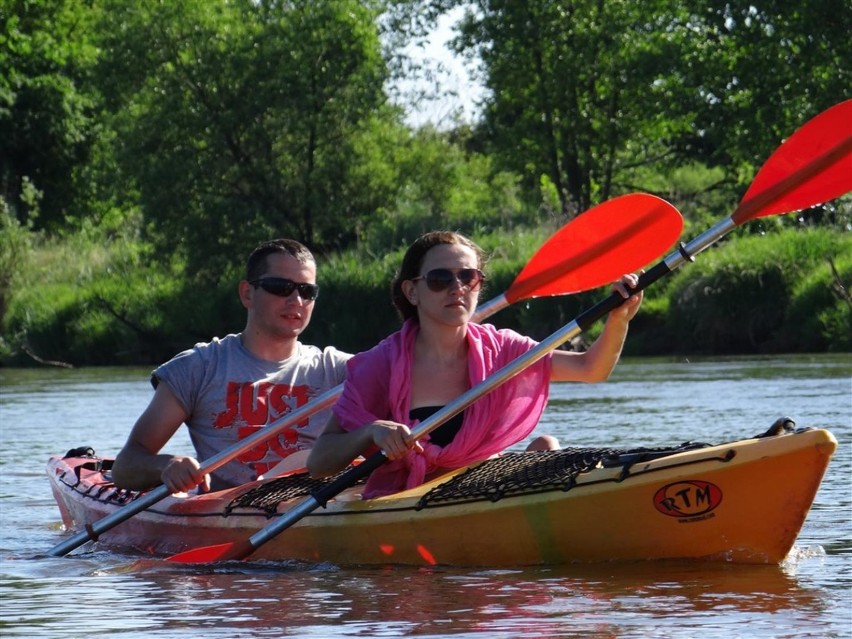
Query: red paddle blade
point(207, 554)
point(599, 246)
point(814, 165)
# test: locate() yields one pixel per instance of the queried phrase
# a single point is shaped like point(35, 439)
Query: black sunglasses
point(282, 287)
point(440, 279)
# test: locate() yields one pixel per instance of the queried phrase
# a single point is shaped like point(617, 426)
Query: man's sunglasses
point(440, 279)
point(282, 287)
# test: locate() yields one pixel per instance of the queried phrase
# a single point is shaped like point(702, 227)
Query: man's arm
point(140, 465)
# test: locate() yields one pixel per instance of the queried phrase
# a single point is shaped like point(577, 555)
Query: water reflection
point(535, 602)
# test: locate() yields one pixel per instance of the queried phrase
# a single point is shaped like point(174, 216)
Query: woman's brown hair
point(412, 261)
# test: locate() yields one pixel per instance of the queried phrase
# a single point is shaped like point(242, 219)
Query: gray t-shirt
point(229, 394)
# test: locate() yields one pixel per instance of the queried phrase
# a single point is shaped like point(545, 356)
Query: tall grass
point(91, 299)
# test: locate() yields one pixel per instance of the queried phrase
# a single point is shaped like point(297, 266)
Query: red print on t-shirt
point(250, 407)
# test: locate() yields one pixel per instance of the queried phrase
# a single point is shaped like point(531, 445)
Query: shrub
point(759, 294)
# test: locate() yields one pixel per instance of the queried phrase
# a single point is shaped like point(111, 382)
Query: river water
point(646, 403)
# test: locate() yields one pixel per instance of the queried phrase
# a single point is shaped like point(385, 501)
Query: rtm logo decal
point(692, 498)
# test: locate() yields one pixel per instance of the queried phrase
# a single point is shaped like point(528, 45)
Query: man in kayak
point(228, 388)
point(437, 356)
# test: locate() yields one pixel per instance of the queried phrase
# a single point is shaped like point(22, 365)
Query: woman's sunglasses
point(440, 279)
point(282, 287)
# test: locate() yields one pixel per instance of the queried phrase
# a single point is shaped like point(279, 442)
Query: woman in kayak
point(437, 356)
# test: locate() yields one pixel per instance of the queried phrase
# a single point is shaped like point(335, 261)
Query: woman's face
point(455, 274)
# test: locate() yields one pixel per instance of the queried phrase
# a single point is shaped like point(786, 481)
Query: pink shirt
point(378, 386)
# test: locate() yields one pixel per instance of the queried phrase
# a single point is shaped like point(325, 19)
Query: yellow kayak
point(742, 502)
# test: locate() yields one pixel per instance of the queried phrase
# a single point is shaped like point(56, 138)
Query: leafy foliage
point(758, 294)
point(240, 119)
point(148, 147)
point(15, 249)
point(592, 94)
point(46, 108)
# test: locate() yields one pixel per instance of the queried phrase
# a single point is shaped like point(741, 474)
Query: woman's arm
point(597, 363)
point(336, 448)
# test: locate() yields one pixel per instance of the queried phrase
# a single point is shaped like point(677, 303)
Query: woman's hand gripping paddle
point(617, 237)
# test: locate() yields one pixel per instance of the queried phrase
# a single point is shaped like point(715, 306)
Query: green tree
point(46, 108)
point(594, 93)
point(754, 72)
point(239, 121)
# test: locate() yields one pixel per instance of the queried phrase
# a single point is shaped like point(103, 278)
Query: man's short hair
point(256, 265)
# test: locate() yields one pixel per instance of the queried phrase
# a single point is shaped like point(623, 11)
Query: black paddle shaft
point(349, 478)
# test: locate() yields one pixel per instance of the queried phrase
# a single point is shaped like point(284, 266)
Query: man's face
point(278, 316)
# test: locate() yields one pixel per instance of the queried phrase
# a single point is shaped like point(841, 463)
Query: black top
point(445, 433)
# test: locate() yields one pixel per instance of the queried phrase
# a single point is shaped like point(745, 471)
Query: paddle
point(811, 167)
point(581, 256)
point(567, 262)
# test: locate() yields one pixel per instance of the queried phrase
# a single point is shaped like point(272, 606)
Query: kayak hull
point(739, 502)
